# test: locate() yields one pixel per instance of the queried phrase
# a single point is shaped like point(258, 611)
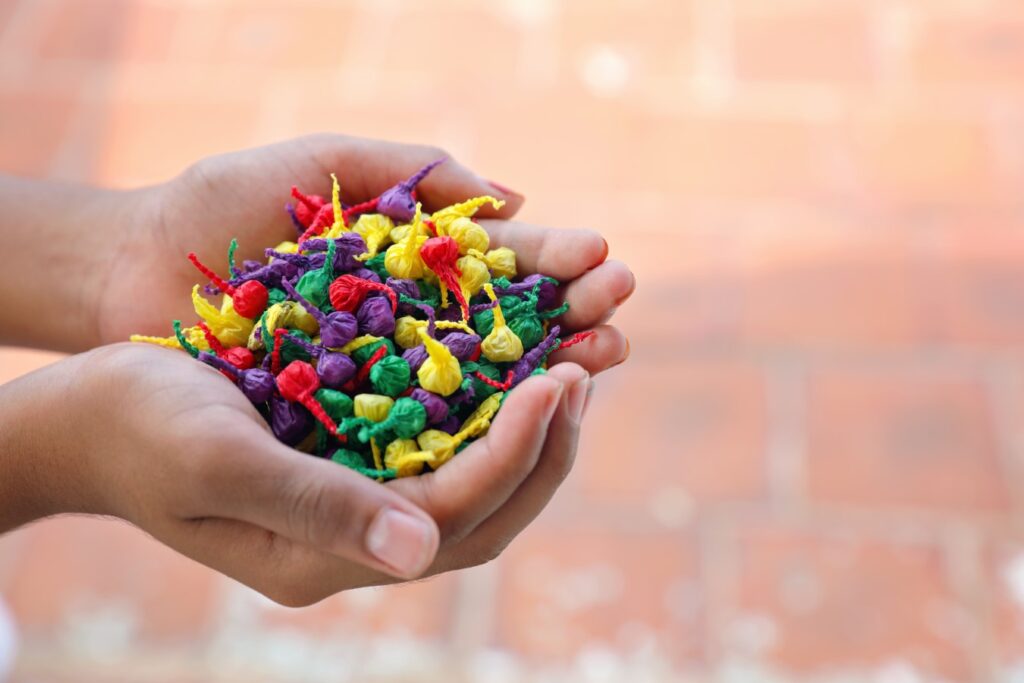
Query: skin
point(168, 444)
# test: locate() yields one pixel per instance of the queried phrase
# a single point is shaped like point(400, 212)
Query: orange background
point(812, 465)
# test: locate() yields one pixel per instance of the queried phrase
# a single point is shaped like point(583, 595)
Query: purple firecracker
point(532, 359)
point(346, 249)
point(366, 274)
point(270, 275)
point(452, 313)
point(462, 345)
point(257, 384)
point(547, 292)
point(336, 329)
point(437, 407)
point(406, 287)
point(397, 202)
point(415, 357)
point(375, 317)
point(289, 422)
point(449, 425)
point(334, 369)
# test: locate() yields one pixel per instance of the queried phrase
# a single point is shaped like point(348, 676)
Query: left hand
point(243, 194)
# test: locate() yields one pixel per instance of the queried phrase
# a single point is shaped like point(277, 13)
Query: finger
point(556, 461)
point(562, 254)
point(594, 296)
point(365, 168)
point(605, 349)
point(480, 479)
point(319, 503)
point(289, 573)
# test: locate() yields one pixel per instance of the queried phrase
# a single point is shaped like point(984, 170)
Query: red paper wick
point(324, 216)
point(575, 339)
point(214, 343)
point(311, 203)
point(500, 386)
point(431, 227)
point(365, 207)
point(364, 371)
point(212, 276)
point(249, 299)
point(275, 355)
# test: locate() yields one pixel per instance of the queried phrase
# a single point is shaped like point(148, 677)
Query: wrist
point(22, 448)
point(115, 218)
point(53, 295)
point(44, 424)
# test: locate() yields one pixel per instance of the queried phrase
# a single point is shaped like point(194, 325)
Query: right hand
point(152, 436)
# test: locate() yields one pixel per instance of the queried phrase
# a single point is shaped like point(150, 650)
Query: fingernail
point(578, 398)
point(401, 541)
point(502, 189)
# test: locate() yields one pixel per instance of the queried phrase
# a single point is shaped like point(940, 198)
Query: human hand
point(151, 436)
point(479, 502)
point(243, 194)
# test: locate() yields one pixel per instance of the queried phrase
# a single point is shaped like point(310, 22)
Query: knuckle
point(449, 526)
point(311, 514)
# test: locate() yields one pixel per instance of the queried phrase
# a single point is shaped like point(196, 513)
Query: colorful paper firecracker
point(383, 338)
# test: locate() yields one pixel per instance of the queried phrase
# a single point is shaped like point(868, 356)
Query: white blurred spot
point(636, 636)
point(588, 586)
point(529, 13)
point(897, 671)
point(800, 591)
point(8, 641)
point(683, 600)
point(252, 36)
point(103, 631)
point(364, 598)
point(495, 666)
point(605, 71)
point(1013, 575)
point(599, 665)
point(1013, 672)
point(752, 634)
point(671, 507)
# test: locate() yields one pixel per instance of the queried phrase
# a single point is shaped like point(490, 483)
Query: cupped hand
point(167, 443)
point(242, 195)
point(223, 491)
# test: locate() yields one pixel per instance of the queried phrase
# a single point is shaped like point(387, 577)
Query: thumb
point(381, 164)
point(327, 506)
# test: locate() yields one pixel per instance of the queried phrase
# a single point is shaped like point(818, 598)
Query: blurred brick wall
point(813, 464)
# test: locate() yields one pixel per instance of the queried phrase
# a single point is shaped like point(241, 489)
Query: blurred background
point(811, 469)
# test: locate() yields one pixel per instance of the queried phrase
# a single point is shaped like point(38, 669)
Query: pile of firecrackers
point(382, 338)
